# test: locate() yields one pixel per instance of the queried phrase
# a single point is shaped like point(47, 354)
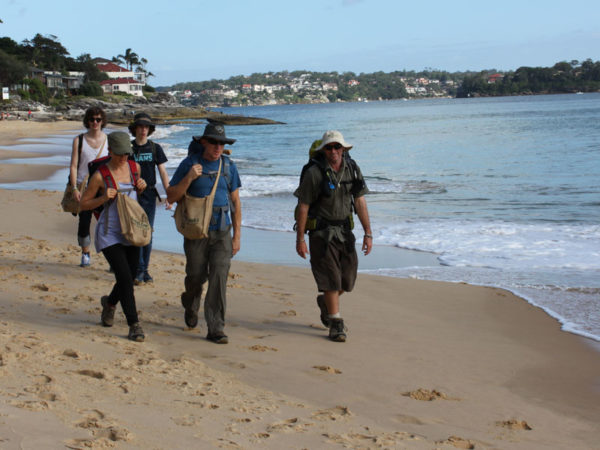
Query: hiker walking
point(149, 155)
point(86, 147)
point(209, 258)
point(330, 188)
point(122, 257)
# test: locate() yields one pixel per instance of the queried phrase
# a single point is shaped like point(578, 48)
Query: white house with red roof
point(120, 79)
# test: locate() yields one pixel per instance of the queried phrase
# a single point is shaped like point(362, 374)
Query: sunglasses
point(212, 141)
point(96, 119)
point(334, 146)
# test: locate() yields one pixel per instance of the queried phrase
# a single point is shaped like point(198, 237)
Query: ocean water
point(499, 192)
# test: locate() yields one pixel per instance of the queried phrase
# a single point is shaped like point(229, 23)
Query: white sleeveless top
point(88, 154)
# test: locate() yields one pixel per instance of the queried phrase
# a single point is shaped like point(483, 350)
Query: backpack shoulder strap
point(134, 172)
point(226, 173)
point(109, 181)
point(79, 147)
point(153, 145)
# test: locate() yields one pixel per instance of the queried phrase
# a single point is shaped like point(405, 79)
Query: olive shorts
point(335, 264)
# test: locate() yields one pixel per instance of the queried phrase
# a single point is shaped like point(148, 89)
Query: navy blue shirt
point(202, 185)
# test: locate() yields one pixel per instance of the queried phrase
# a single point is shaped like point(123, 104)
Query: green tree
point(37, 90)
point(11, 69)
point(91, 89)
point(46, 52)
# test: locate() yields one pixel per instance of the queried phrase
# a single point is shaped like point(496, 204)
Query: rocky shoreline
point(163, 108)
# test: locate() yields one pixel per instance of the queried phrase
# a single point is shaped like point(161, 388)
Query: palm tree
point(130, 58)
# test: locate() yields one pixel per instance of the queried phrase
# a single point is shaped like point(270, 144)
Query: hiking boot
point(190, 317)
point(108, 312)
point(337, 330)
point(218, 338)
point(139, 279)
point(323, 308)
point(136, 333)
point(147, 278)
point(86, 260)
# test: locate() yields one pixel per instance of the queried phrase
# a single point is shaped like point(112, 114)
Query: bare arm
point(140, 184)
point(164, 178)
point(301, 247)
point(236, 220)
point(74, 166)
point(360, 204)
point(95, 185)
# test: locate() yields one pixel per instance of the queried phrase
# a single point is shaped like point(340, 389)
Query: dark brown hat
point(216, 131)
point(141, 119)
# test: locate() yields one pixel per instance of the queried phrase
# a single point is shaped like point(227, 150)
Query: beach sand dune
point(426, 365)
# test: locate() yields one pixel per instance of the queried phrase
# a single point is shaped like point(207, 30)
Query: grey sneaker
point(108, 312)
point(139, 279)
point(218, 338)
point(337, 330)
point(323, 308)
point(136, 333)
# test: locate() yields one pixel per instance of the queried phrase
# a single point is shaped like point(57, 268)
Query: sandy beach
point(426, 365)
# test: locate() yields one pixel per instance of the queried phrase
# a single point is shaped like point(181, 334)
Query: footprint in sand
point(337, 413)
point(291, 312)
point(285, 426)
point(328, 369)
point(92, 373)
point(514, 424)
point(458, 442)
point(262, 348)
point(71, 353)
point(425, 395)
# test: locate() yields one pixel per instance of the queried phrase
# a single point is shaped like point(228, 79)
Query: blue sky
point(199, 40)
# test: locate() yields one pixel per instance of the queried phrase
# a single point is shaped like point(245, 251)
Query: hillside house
point(126, 85)
point(120, 79)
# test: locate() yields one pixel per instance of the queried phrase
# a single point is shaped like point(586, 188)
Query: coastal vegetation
point(20, 62)
point(322, 87)
point(563, 77)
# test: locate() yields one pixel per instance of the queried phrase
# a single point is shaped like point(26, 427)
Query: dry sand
point(427, 365)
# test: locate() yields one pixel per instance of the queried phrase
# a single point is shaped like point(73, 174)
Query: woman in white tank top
point(93, 145)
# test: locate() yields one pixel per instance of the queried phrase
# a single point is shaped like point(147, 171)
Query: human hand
point(367, 244)
point(140, 184)
point(110, 194)
point(168, 205)
point(77, 195)
point(195, 171)
point(301, 248)
point(236, 245)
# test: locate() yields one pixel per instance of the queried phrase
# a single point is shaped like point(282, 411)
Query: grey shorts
point(334, 265)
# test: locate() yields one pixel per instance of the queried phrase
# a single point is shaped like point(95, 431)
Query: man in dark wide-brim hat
point(209, 259)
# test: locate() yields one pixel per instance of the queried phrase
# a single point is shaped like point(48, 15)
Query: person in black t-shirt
point(149, 155)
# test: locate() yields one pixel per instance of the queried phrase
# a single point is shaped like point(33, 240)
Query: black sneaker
point(337, 330)
point(218, 338)
point(323, 308)
point(108, 312)
point(147, 278)
point(136, 333)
